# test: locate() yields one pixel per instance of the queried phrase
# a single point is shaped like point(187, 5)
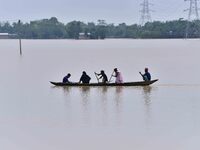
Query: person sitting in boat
point(84, 78)
point(146, 76)
point(118, 76)
point(66, 78)
point(103, 76)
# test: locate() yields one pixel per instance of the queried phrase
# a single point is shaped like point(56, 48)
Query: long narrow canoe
point(140, 83)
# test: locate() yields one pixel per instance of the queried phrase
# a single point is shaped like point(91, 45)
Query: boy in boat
point(146, 76)
point(103, 76)
point(66, 78)
point(118, 76)
point(84, 78)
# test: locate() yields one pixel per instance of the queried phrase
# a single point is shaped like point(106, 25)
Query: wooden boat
point(139, 83)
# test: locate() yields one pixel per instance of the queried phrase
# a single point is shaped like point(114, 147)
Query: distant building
point(83, 36)
point(4, 35)
point(7, 35)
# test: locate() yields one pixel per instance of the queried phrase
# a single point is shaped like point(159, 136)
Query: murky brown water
point(37, 115)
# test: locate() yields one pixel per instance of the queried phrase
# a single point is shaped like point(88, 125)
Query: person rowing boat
point(118, 76)
point(146, 76)
point(103, 76)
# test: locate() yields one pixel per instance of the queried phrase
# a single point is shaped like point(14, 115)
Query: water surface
point(37, 115)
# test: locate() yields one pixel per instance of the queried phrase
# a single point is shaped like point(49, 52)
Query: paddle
point(111, 77)
point(96, 77)
point(141, 75)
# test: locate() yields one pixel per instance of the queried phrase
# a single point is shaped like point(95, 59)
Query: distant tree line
point(53, 29)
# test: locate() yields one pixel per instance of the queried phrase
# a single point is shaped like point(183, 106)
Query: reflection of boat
point(140, 83)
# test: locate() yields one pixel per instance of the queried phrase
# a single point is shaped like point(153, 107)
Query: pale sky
point(113, 11)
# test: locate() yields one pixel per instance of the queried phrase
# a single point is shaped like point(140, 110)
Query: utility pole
point(192, 15)
point(145, 12)
point(19, 34)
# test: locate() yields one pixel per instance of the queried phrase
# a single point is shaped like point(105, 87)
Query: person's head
point(116, 70)
point(84, 72)
point(69, 75)
point(102, 72)
point(146, 69)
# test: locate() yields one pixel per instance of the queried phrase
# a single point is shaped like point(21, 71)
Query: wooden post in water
point(20, 41)
point(20, 46)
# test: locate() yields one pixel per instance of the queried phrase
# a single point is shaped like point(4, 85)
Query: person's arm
point(115, 75)
point(97, 73)
point(80, 80)
point(69, 81)
point(100, 77)
point(142, 75)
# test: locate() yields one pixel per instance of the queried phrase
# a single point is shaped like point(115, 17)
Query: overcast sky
point(113, 11)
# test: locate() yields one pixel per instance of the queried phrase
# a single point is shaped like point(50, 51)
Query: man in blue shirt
point(146, 76)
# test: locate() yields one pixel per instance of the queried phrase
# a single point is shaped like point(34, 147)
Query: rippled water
point(36, 115)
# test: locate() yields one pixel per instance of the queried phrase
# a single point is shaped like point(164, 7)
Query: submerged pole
point(19, 34)
point(20, 46)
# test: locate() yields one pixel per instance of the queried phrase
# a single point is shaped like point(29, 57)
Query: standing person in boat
point(118, 76)
point(103, 76)
point(84, 78)
point(66, 78)
point(146, 76)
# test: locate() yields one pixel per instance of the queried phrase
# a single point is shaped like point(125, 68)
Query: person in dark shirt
point(146, 76)
point(84, 78)
point(103, 76)
point(66, 78)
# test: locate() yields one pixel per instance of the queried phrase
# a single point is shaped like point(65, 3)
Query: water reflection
point(118, 96)
point(66, 90)
point(147, 97)
point(85, 90)
point(103, 97)
point(85, 93)
point(103, 102)
point(85, 102)
point(110, 102)
point(147, 94)
point(118, 99)
point(104, 89)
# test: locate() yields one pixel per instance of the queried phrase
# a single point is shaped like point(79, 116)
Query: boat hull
point(140, 83)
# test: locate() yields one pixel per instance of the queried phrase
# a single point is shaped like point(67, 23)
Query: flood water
point(36, 115)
